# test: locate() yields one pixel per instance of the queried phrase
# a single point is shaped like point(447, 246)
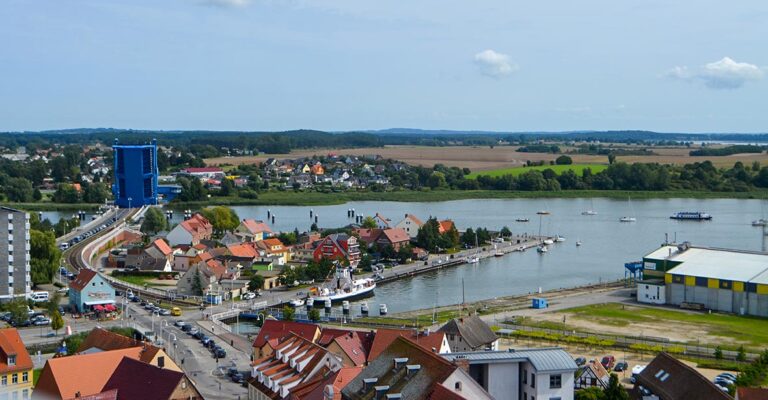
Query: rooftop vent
point(399, 362)
point(412, 369)
point(393, 396)
point(381, 390)
point(368, 384)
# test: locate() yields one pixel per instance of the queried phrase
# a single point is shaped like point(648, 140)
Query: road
point(103, 218)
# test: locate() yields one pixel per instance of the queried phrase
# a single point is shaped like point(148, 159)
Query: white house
point(410, 224)
point(651, 291)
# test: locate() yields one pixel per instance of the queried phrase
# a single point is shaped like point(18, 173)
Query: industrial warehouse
point(733, 281)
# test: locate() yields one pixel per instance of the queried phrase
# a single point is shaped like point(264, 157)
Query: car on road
point(237, 377)
point(580, 361)
point(165, 312)
point(176, 311)
point(135, 299)
point(41, 321)
point(621, 366)
point(608, 362)
point(192, 330)
point(219, 352)
point(179, 323)
point(248, 296)
point(204, 340)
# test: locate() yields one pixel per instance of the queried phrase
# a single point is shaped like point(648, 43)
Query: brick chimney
point(462, 363)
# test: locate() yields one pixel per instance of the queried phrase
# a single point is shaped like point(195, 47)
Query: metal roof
point(544, 359)
point(733, 265)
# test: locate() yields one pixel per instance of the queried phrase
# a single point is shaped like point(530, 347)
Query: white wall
point(565, 392)
point(179, 235)
point(504, 380)
point(653, 294)
point(469, 389)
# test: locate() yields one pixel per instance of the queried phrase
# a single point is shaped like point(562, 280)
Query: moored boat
point(691, 216)
point(627, 219)
point(542, 249)
point(760, 222)
point(342, 287)
point(522, 219)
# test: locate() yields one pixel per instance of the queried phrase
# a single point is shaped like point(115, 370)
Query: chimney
point(412, 369)
point(399, 362)
point(462, 363)
point(381, 391)
point(77, 395)
point(368, 383)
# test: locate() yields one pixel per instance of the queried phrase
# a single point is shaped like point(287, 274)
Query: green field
point(559, 169)
point(751, 330)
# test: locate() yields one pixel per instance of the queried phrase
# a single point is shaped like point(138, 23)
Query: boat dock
point(435, 263)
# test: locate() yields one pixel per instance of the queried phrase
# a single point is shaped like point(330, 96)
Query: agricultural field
point(478, 158)
point(559, 169)
point(677, 325)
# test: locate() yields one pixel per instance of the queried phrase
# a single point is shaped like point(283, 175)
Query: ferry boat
point(522, 220)
point(691, 216)
point(760, 222)
point(342, 287)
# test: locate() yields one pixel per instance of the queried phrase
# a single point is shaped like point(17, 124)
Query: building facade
point(136, 172)
point(14, 257)
point(88, 290)
point(15, 366)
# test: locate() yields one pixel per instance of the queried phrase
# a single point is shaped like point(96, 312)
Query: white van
point(64, 246)
point(39, 297)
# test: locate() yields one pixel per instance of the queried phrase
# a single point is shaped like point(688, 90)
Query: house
point(405, 370)
point(243, 254)
point(592, 374)
point(542, 373)
point(63, 377)
point(134, 379)
point(204, 172)
point(410, 224)
point(368, 235)
point(99, 340)
point(338, 246)
point(295, 361)
point(273, 332)
point(317, 169)
point(305, 169)
point(251, 230)
point(349, 348)
point(210, 271)
point(470, 333)
point(274, 250)
point(393, 237)
point(381, 221)
point(191, 231)
point(431, 341)
point(15, 366)
point(88, 290)
point(158, 256)
point(668, 378)
point(186, 255)
point(446, 226)
point(229, 238)
point(318, 388)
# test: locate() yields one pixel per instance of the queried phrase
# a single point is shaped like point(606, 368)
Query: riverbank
point(50, 206)
point(291, 198)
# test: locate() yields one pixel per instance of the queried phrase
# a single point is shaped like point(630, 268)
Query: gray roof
point(547, 359)
point(472, 329)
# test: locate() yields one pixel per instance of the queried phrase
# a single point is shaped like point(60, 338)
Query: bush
point(563, 160)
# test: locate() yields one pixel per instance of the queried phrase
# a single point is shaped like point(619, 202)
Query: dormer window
point(12, 359)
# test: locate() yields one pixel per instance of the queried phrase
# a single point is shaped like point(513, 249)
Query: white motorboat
point(627, 219)
point(382, 309)
point(559, 239)
point(543, 212)
point(522, 219)
point(474, 260)
point(548, 241)
point(578, 243)
point(297, 303)
point(589, 212)
point(760, 222)
point(343, 287)
point(542, 249)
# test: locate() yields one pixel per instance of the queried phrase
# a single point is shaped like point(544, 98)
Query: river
point(606, 243)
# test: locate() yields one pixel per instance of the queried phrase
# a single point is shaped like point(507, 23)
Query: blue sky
point(684, 66)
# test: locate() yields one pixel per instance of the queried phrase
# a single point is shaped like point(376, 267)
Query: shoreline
point(290, 198)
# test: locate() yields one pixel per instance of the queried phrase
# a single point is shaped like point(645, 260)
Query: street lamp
point(154, 313)
point(129, 202)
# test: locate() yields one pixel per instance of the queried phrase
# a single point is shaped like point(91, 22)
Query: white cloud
point(226, 3)
point(723, 74)
point(493, 64)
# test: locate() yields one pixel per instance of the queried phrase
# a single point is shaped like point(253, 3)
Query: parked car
point(136, 299)
point(248, 296)
point(728, 375)
point(198, 335)
point(219, 353)
point(580, 361)
point(608, 361)
point(179, 323)
point(192, 331)
point(204, 340)
point(237, 378)
point(211, 344)
point(723, 381)
point(621, 366)
point(186, 327)
point(165, 312)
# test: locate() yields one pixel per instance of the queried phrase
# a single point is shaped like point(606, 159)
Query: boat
point(498, 253)
point(691, 216)
point(342, 287)
point(578, 243)
point(474, 260)
point(627, 219)
point(297, 303)
point(382, 309)
point(543, 212)
point(591, 210)
point(542, 249)
point(760, 222)
point(522, 219)
point(548, 241)
point(559, 239)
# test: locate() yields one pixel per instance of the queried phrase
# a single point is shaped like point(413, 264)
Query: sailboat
point(475, 258)
point(626, 218)
point(591, 210)
point(578, 243)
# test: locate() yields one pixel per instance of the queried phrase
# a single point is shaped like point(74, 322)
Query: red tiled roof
point(105, 340)
point(107, 395)
point(314, 389)
point(396, 235)
point(242, 251)
point(163, 246)
point(273, 329)
point(63, 377)
point(193, 170)
point(82, 279)
point(440, 392)
point(134, 379)
point(352, 347)
point(255, 226)
point(446, 225)
point(415, 219)
point(385, 337)
point(368, 235)
point(11, 344)
point(217, 268)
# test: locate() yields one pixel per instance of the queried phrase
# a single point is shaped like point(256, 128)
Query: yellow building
point(15, 366)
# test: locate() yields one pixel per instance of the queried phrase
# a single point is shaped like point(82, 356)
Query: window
point(555, 398)
point(25, 376)
point(533, 380)
point(555, 381)
point(15, 378)
point(457, 386)
point(4, 381)
point(525, 375)
point(12, 360)
point(25, 394)
point(525, 396)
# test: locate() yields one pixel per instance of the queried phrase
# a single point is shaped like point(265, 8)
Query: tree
point(369, 223)
point(18, 309)
point(314, 315)
point(404, 253)
point(18, 190)
point(256, 283)
point(53, 303)
point(197, 284)
point(437, 180)
point(96, 193)
point(66, 193)
point(45, 256)
point(718, 353)
point(37, 195)
point(57, 322)
point(222, 218)
point(154, 221)
point(611, 158)
point(428, 235)
point(563, 160)
point(615, 391)
point(591, 393)
point(468, 238)
point(742, 355)
point(288, 313)
point(505, 232)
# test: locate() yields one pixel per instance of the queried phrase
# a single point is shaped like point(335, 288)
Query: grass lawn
point(752, 330)
point(135, 279)
point(559, 169)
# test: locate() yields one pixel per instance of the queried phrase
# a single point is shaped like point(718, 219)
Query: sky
point(503, 65)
